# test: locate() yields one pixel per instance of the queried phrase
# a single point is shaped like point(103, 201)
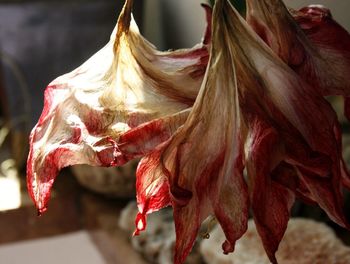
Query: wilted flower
point(124, 85)
point(329, 37)
point(305, 156)
point(249, 98)
point(249, 113)
point(310, 42)
point(202, 162)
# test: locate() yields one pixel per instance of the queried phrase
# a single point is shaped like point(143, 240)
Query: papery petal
point(279, 129)
point(152, 187)
point(230, 205)
point(318, 50)
point(204, 157)
point(208, 13)
point(333, 44)
point(325, 191)
point(151, 182)
point(124, 85)
point(323, 31)
point(271, 201)
point(143, 139)
point(331, 39)
point(286, 175)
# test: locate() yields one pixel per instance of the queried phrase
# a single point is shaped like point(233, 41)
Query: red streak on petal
point(152, 187)
point(271, 202)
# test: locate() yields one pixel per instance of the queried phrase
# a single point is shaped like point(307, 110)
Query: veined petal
point(279, 129)
point(152, 187)
point(331, 39)
point(271, 202)
point(318, 50)
point(312, 43)
point(126, 84)
point(143, 139)
point(204, 157)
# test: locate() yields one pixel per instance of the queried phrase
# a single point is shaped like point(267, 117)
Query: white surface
point(73, 248)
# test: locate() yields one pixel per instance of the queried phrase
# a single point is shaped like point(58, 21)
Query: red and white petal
point(152, 187)
point(201, 158)
point(124, 85)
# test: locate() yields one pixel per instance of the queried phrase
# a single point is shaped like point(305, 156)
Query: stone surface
point(156, 243)
point(305, 242)
point(116, 182)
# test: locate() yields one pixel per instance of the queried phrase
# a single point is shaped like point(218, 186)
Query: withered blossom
point(124, 85)
point(312, 44)
point(309, 41)
point(326, 34)
point(248, 114)
point(302, 141)
point(202, 162)
point(198, 134)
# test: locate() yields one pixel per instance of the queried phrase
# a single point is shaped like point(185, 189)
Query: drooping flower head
point(126, 84)
point(288, 152)
point(202, 161)
point(330, 37)
point(308, 40)
point(197, 134)
point(248, 113)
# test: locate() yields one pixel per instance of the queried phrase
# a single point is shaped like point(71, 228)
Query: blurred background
point(90, 219)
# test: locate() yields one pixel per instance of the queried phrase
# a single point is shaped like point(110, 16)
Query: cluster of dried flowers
point(249, 97)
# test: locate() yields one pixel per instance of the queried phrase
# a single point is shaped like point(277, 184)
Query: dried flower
point(248, 114)
point(124, 85)
point(203, 160)
point(198, 134)
point(310, 42)
point(330, 38)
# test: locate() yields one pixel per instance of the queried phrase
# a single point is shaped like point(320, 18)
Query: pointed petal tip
point(227, 247)
point(41, 211)
point(140, 223)
point(273, 259)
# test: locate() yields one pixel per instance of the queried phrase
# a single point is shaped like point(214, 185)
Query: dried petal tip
point(140, 223)
point(41, 211)
point(152, 188)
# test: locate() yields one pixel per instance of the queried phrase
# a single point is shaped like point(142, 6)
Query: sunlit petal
point(124, 85)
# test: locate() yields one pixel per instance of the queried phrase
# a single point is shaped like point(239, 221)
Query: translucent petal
point(126, 84)
point(281, 130)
